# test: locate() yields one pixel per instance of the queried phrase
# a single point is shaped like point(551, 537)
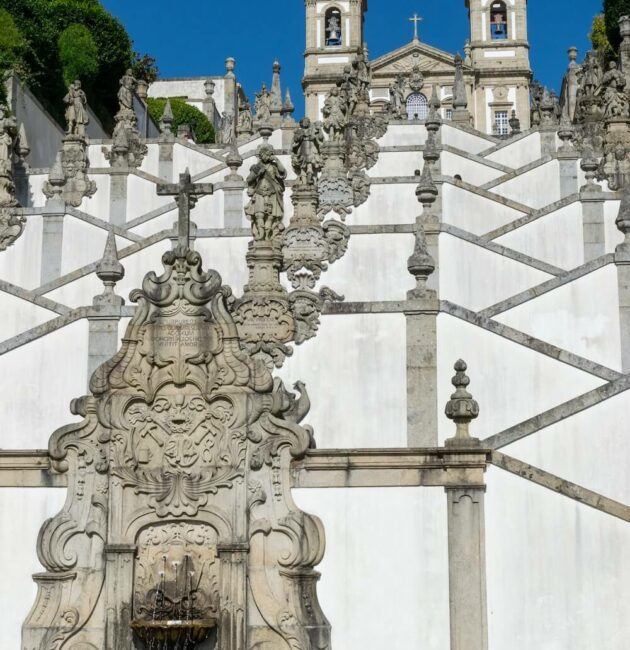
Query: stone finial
point(276, 90)
point(467, 52)
point(421, 265)
point(426, 191)
point(209, 86)
point(230, 64)
point(288, 108)
point(624, 28)
point(461, 408)
point(109, 270)
point(623, 221)
point(434, 121)
point(589, 166)
point(234, 161)
point(460, 100)
point(167, 119)
point(53, 187)
point(573, 53)
point(566, 133)
point(431, 153)
point(22, 147)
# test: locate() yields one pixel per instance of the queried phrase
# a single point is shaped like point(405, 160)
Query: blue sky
point(194, 37)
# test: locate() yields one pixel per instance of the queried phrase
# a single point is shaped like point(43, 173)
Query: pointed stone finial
point(460, 99)
point(276, 91)
point(589, 166)
point(426, 190)
point(434, 121)
point(431, 153)
point(461, 408)
point(289, 108)
point(53, 187)
point(22, 147)
point(421, 265)
point(167, 119)
point(109, 271)
point(623, 221)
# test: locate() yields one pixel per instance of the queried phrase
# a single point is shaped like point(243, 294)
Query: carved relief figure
point(265, 187)
point(76, 110)
point(8, 129)
point(245, 119)
point(306, 150)
point(614, 92)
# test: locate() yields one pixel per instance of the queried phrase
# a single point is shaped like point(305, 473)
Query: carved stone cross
point(415, 19)
point(186, 193)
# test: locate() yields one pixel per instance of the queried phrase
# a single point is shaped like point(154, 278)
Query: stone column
point(548, 140)
point(592, 200)
point(567, 160)
point(118, 196)
point(230, 88)
point(233, 187)
point(421, 326)
point(119, 595)
point(622, 261)
point(466, 532)
point(166, 144)
point(105, 316)
point(624, 47)
point(52, 241)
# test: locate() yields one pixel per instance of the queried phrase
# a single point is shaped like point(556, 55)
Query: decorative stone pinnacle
point(421, 265)
point(53, 188)
point(22, 147)
point(167, 119)
point(289, 107)
point(573, 53)
point(461, 408)
point(426, 191)
point(623, 221)
point(109, 270)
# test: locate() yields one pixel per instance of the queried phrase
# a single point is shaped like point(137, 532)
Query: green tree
point(78, 54)
point(12, 45)
point(613, 10)
point(183, 113)
point(599, 38)
point(144, 67)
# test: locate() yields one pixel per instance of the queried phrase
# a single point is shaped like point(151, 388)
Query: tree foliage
point(599, 38)
point(183, 113)
point(613, 10)
point(78, 54)
point(144, 67)
point(41, 24)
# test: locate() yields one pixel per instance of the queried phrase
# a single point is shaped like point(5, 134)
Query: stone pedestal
point(622, 261)
point(467, 568)
point(52, 241)
point(233, 203)
point(548, 144)
point(118, 197)
point(568, 163)
point(103, 334)
point(422, 412)
point(593, 224)
point(165, 160)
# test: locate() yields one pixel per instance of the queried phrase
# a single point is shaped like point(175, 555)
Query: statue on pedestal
point(76, 110)
point(262, 105)
point(335, 113)
point(306, 150)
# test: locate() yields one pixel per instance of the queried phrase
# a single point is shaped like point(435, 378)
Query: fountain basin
point(174, 635)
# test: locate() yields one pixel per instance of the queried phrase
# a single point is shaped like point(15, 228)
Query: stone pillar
point(568, 173)
point(421, 325)
point(593, 225)
point(105, 316)
point(548, 140)
point(119, 595)
point(622, 261)
point(166, 144)
point(118, 196)
point(466, 532)
point(52, 241)
point(624, 47)
point(467, 568)
point(233, 187)
point(230, 88)
point(208, 105)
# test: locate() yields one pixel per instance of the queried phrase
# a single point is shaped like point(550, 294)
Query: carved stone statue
point(227, 128)
point(615, 97)
point(335, 112)
point(262, 105)
point(245, 124)
point(397, 96)
point(76, 110)
point(126, 91)
point(8, 131)
point(265, 187)
point(306, 155)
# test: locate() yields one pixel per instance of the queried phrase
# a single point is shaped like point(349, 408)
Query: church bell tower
point(499, 54)
point(334, 34)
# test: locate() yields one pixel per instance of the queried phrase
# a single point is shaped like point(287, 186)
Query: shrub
point(613, 10)
point(183, 113)
point(78, 54)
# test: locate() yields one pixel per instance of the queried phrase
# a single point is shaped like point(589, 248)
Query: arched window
point(332, 23)
point(498, 21)
point(417, 106)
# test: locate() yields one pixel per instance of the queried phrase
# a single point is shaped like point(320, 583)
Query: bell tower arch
point(334, 34)
point(499, 54)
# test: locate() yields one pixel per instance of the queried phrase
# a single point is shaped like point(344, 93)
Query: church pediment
point(404, 59)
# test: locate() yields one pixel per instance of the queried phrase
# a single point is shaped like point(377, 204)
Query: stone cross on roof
point(186, 193)
point(415, 19)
